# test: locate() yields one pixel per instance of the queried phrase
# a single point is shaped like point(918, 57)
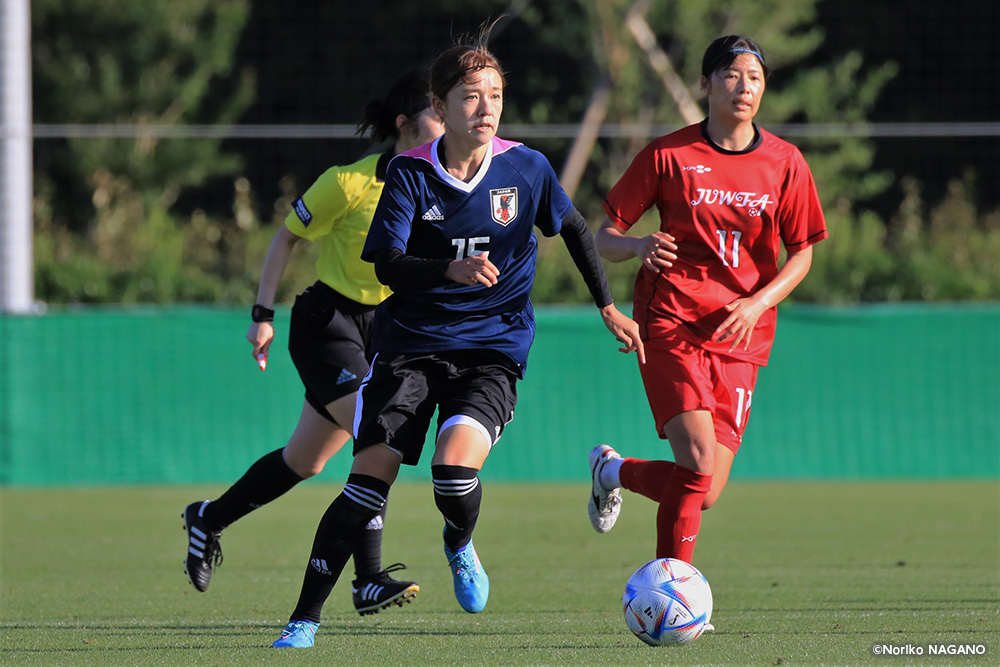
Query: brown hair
point(460, 61)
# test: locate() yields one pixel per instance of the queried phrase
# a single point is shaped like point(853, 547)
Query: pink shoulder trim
point(502, 145)
point(424, 152)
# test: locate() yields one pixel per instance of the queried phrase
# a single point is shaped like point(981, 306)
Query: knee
point(303, 466)
point(710, 499)
point(307, 470)
point(695, 452)
point(718, 484)
point(703, 455)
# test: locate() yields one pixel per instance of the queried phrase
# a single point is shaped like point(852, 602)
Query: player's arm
point(744, 312)
point(261, 334)
point(395, 268)
point(580, 244)
point(657, 251)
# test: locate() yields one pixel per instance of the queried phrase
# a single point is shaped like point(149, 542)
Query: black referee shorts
point(328, 340)
point(396, 402)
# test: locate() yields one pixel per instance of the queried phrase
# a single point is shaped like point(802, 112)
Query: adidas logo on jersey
point(433, 213)
point(346, 376)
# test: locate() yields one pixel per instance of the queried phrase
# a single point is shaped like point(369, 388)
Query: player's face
point(735, 91)
point(472, 109)
point(427, 126)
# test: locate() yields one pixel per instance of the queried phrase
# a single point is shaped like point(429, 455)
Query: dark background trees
point(140, 219)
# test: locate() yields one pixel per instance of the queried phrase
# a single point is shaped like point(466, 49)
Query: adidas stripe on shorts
point(328, 340)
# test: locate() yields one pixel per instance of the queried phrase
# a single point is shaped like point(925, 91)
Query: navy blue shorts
point(328, 339)
point(398, 398)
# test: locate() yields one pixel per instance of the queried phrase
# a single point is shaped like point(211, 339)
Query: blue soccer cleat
point(298, 634)
point(472, 586)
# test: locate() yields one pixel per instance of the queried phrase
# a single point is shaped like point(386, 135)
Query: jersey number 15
point(467, 247)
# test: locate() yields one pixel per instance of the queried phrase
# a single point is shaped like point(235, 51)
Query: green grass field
point(802, 573)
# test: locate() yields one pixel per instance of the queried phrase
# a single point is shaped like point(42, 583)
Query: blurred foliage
point(946, 253)
point(159, 62)
point(140, 253)
point(108, 229)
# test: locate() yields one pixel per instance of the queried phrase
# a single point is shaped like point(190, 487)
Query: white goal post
point(16, 246)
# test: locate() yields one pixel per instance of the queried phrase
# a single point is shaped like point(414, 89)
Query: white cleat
point(604, 504)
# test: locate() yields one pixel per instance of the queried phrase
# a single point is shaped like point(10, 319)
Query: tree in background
point(103, 202)
point(644, 70)
point(109, 229)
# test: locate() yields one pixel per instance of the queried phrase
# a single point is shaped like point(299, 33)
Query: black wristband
point(261, 314)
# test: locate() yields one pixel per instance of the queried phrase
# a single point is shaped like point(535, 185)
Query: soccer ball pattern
point(667, 601)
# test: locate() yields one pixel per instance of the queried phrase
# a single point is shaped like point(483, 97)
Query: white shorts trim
point(359, 402)
point(466, 420)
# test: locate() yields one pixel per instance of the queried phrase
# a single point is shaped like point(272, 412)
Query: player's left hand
point(743, 316)
point(625, 330)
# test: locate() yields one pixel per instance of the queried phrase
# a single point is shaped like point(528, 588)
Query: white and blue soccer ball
point(667, 601)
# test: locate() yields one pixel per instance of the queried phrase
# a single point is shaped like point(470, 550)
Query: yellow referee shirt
point(337, 211)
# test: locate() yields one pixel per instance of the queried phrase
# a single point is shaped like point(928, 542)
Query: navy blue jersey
point(426, 212)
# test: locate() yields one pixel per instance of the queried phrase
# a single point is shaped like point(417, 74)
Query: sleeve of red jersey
point(636, 191)
point(802, 221)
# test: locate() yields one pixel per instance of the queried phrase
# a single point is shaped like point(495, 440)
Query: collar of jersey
point(458, 183)
point(754, 144)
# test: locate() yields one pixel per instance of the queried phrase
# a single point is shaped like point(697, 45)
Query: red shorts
point(680, 376)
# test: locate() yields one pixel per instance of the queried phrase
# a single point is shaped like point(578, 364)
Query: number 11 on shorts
point(742, 405)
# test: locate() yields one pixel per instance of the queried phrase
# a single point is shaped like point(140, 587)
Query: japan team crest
point(504, 205)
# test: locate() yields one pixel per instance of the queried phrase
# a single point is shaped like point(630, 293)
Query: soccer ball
point(667, 601)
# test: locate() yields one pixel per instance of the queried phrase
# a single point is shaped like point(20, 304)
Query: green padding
point(119, 396)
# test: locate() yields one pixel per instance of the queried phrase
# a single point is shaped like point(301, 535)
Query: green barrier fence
point(172, 395)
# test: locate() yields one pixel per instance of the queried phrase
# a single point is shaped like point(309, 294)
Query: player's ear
point(401, 120)
point(706, 86)
point(439, 106)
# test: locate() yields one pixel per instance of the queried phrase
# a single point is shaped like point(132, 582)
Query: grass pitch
point(802, 573)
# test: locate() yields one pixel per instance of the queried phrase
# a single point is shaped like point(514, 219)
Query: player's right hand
point(260, 335)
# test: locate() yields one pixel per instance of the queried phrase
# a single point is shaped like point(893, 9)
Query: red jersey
point(729, 212)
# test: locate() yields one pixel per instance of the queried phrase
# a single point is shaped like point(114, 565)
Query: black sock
point(267, 479)
point(338, 532)
point(458, 494)
point(368, 553)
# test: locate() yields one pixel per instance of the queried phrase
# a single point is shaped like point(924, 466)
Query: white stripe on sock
point(364, 497)
point(456, 487)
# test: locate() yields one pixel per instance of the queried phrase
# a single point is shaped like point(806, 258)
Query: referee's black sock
point(267, 479)
point(368, 552)
point(338, 532)
point(457, 494)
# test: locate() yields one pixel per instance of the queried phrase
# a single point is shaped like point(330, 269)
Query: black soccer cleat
point(204, 551)
point(375, 593)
